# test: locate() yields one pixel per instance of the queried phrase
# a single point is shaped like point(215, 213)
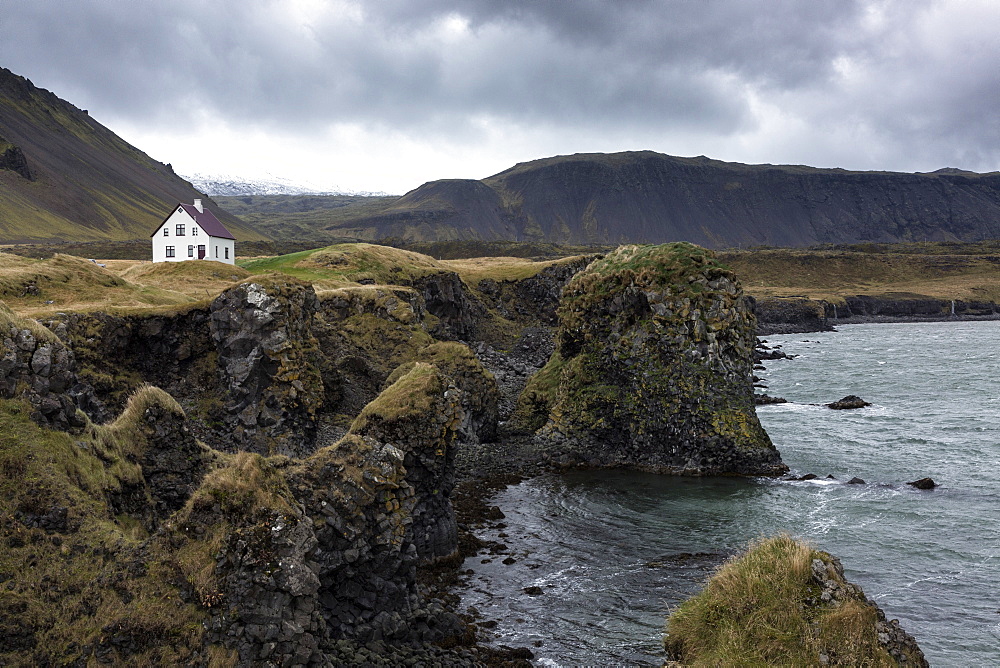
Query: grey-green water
point(607, 549)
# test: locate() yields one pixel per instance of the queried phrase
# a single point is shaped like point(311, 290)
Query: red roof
point(206, 220)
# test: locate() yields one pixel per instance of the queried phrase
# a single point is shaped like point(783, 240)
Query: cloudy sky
point(383, 95)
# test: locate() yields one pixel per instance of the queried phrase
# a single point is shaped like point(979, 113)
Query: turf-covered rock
point(420, 415)
point(653, 368)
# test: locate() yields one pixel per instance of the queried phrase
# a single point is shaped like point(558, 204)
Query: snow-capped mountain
point(227, 185)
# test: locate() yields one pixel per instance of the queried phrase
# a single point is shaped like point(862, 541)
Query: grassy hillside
point(648, 197)
point(35, 288)
point(78, 181)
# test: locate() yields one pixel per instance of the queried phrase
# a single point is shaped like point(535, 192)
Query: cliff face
point(649, 197)
point(652, 368)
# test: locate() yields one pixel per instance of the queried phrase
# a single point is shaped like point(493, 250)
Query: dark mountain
point(651, 197)
point(66, 177)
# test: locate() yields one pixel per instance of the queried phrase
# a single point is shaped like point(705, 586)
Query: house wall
point(215, 247)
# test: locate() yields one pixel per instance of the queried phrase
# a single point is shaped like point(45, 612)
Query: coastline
point(830, 324)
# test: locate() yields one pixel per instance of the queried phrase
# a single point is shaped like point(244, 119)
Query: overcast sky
point(383, 95)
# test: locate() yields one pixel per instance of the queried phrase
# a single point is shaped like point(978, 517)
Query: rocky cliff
point(652, 368)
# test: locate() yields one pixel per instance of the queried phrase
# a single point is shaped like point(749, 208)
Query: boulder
point(923, 483)
point(652, 368)
point(849, 402)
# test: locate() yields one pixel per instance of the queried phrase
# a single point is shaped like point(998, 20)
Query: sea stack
point(653, 368)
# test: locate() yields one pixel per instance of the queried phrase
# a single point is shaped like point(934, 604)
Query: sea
point(596, 560)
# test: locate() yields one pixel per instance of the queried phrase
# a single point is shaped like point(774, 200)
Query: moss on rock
point(653, 368)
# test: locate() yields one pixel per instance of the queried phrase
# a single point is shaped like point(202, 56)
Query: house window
point(180, 229)
point(170, 251)
point(190, 251)
point(227, 252)
point(216, 252)
point(166, 232)
point(194, 230)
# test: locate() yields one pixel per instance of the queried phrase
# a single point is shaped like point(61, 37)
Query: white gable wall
point(216, 248)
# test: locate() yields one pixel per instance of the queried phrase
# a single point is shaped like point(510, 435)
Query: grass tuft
point(763, 608)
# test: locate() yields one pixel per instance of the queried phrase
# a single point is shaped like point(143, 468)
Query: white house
point(191, 232)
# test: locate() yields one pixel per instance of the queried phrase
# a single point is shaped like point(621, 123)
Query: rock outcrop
point(269, 361)
point(339, 535)
point(421, 413)
point(781, 315)
point(653, 368)
point(480, 396)
point(850, 402)
point(38, 367)
point(785, 603)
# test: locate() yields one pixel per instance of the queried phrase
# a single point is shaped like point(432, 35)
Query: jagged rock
point(12, 159)
point(533, 299)
point(269, 361)
point(460, 314)
point(652, 368)
point(923, 483)
point(420, 414)
point(37, 366)
point(849, 402)
point(855, 481)
point(766, 400)
point(480, 396)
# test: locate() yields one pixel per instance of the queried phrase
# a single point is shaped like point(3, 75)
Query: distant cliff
point(66, 177)
point(650, 197)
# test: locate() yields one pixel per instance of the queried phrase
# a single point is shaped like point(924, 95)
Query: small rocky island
point(269, 477)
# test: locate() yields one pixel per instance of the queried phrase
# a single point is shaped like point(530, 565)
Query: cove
point(611, 551)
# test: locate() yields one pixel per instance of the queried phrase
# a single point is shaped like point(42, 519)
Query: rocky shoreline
point(305, 484)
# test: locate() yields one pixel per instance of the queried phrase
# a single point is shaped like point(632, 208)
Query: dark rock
point(781, 315)
point(533, 591)
point(652, 368)
point(923, 483)
point(270, 362)
point(38, 367)
point(855, 481)
point(849, 402)
point(766, 400)
point(420, 414)
point(12, 159)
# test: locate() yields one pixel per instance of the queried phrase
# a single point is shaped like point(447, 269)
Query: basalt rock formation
point(420, 413)
point(653, 368)
point(38, 367)
point(270, 362)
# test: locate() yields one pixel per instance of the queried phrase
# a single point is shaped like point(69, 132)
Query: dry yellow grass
point(833, 275)
point(38, 288)
point(473, 270)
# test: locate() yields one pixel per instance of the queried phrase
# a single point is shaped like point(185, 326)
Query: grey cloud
point(647, 65)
